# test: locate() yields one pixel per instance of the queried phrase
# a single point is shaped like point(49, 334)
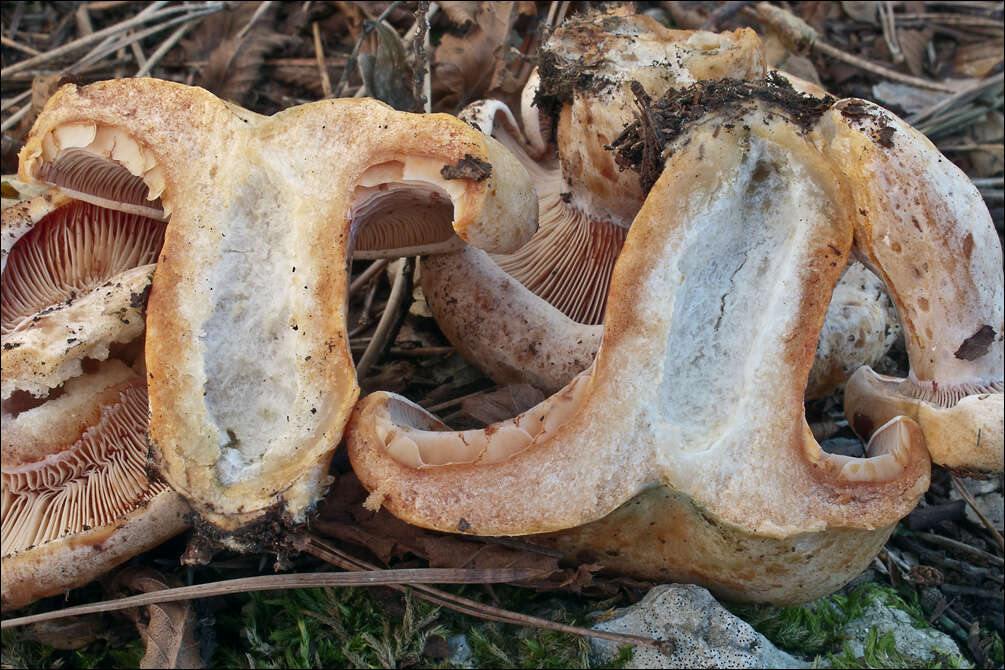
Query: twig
point(143, 34)
point(106, 32)
point(254, 17)
point(562, 11)
point(319, 57)
point(100, 48)
point(961, 547)
point(961, 590)
point(166, 46)
point(369, 273)
point(799, 37)
point(8, 42)
point(890, 31)
point(297, 581)
point(10, 102)
point(390, 320)
point(83, 19)
point(965, 493)
point(326, 552)
point(351, 63)
point(417, 352)
point(11, 120)
point(954, 101)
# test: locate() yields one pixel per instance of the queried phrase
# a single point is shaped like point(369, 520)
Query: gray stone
point(917, 643)
point(461, 655)
point(701, 632)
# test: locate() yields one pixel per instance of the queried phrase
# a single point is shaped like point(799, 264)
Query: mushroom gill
point(715, 307)
point(250, 374)
point(924, 228)
point(76, 496)
point(548, 297)
point(104, 166)
point(75, 281)
point(402, 208)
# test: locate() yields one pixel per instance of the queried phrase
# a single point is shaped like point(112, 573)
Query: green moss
point(880, 651)
point(20, 652)
point(816, 630)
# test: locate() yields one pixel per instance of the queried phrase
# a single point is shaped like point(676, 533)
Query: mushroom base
point(663, 536)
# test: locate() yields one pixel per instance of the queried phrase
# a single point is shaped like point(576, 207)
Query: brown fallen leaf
point(168, 629)
point(502, 404)
point(235, 54)
point(466, 67)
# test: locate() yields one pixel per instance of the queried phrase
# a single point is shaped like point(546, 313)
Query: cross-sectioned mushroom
point(532, 316)
point(249, 369)
point(712, 321)
point(75, 283)
point(922, 226)
point(76, 496)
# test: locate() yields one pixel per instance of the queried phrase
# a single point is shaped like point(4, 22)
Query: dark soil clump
point(641, 146)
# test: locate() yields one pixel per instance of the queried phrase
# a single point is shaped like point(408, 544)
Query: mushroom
point(532, 316)
point(249, 370)
point(75, 281)
point(76, 496)
point(713, 315)
point(922, 226)
point(861, 326)
point(545, 296)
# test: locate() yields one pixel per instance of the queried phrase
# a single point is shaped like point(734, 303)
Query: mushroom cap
point(587, 68)
point(249, 370)
point(860, 328)
point(716, 302)
point(76, 497)
point(922, 226)
point(75, 281)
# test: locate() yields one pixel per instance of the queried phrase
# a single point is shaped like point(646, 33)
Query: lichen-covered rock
point(702, 633)
point(919, 644)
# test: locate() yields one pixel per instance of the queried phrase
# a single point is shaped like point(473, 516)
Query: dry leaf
point(502, 404)
point(70, 633)
point(168, 629)
point(978, 59)
point(913, 44)
point(234, 61)
point(866, 12)
point(385, 69)
point(466, 67)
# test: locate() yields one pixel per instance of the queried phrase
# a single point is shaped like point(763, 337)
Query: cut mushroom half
point(77, 500)
point(532, 316)
point(715, 307)
point(75, 282)
point(250, 375)
point(923, 227)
